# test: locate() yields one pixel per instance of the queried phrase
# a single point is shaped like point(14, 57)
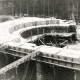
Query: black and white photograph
point(39, 39)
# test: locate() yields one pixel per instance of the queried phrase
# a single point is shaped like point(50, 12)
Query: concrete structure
point(49, 62)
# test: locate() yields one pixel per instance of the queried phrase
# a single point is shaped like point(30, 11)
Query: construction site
point(39, 41)
point(33, 48)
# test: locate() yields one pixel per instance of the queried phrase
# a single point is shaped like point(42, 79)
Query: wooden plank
point(19, 61)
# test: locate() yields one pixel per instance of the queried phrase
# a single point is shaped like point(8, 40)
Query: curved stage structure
point(51, 41)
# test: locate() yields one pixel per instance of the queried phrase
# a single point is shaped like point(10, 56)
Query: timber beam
point(58, 62)
point(19, 61)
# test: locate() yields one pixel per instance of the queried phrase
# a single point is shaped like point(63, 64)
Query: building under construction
point(39, 49)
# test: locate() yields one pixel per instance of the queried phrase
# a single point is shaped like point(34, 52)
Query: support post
point(38, 71)
point(76, 75)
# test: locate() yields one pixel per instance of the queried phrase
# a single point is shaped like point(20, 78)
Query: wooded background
point(42, 8)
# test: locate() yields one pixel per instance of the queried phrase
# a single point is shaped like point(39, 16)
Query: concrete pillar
point(38, 71)
point(77, 75)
